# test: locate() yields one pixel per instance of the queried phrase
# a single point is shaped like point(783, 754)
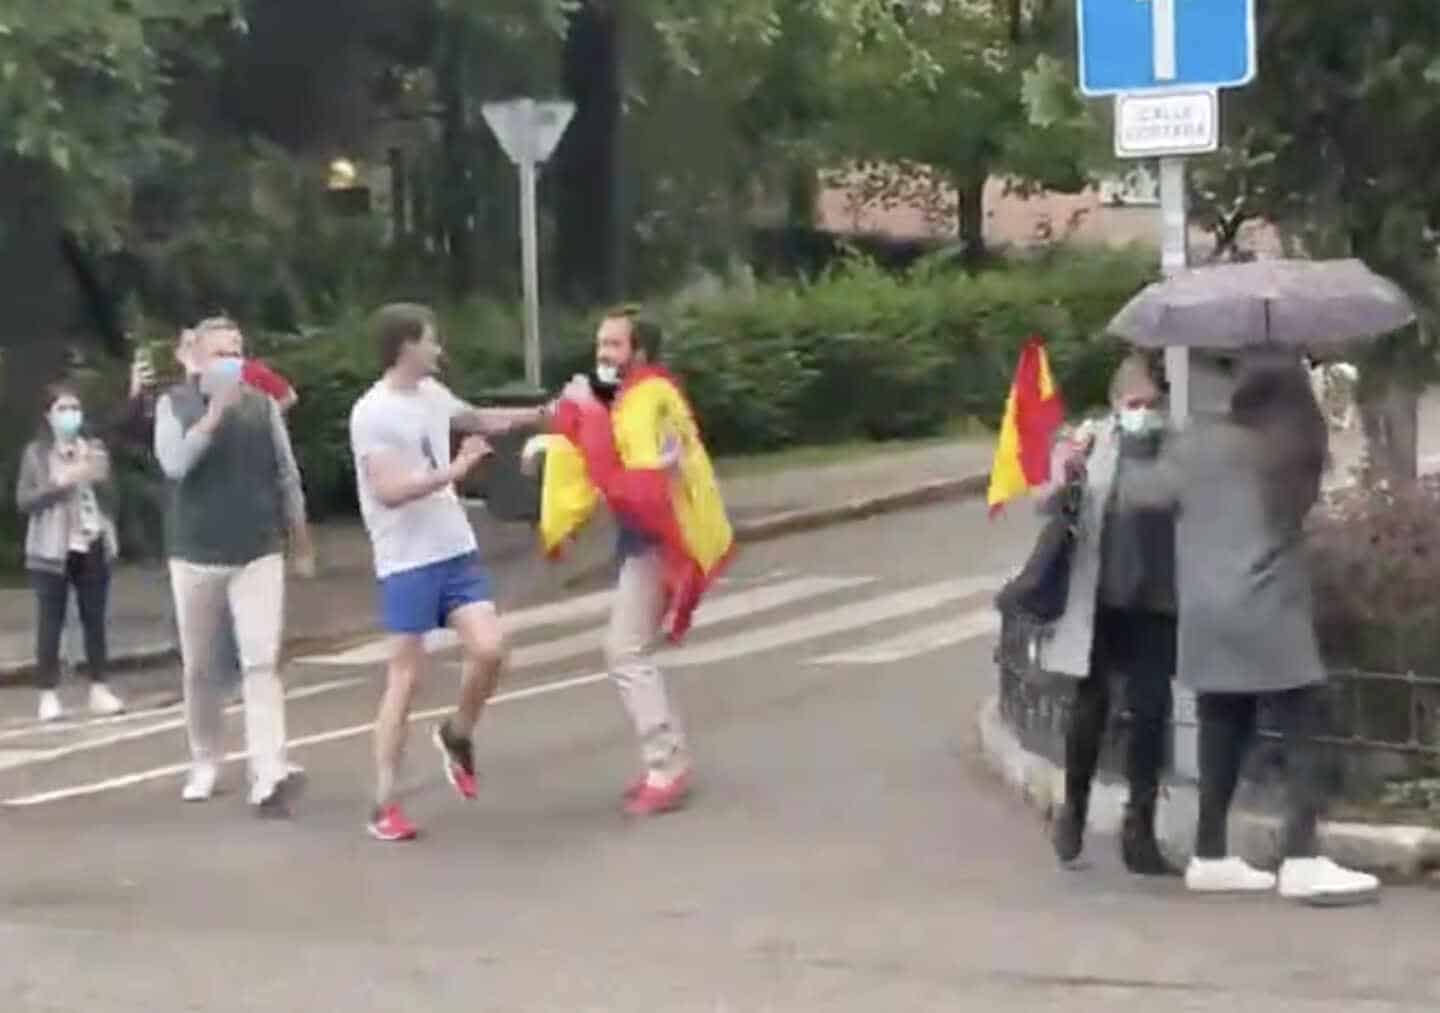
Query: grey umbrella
point(1315, 305)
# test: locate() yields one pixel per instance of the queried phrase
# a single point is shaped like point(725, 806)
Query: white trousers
point(256, 595)
point(635, 618)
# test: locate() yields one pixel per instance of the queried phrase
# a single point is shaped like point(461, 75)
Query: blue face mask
point(222, 373)
point(66, 422)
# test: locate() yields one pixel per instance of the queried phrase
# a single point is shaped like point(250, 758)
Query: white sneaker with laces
point(51, 709)
point(103, 700)
point(1321, 881)
point(1226, 875)
point(200, 785)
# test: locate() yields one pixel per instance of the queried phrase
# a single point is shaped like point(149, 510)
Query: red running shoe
point(652, 799)
point(458, 757)
point(390, 824)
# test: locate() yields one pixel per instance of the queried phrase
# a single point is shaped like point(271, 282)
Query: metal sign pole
point(1175, 256)
point(528, 131)
point(530, 266)
point(1164, 61)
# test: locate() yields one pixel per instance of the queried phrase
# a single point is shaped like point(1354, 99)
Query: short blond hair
point(1133, 376)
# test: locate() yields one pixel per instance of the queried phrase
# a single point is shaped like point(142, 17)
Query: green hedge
point(857, 353)
point(865, 354)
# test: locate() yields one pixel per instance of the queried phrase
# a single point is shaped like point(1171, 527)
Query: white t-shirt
point(413, 425)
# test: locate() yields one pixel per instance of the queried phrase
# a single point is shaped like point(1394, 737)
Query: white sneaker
point(200, 785)
point(51, 709)
point(1321, 881)
point(103, 700)
point(1226, 875)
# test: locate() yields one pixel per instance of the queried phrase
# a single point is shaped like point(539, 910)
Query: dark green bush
point(861, 353)
point(857, 353)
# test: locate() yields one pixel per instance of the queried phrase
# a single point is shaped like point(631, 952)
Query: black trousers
point(1227, 731)
point(89, 574)
point(1136, 650)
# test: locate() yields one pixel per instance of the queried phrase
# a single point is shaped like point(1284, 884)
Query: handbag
point(1039, 591)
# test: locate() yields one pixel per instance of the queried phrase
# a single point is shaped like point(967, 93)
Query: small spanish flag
point(1033, 412)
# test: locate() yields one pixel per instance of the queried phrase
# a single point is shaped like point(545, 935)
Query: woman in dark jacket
point(64, 491)
point(1118, 628)
point(1242, 488)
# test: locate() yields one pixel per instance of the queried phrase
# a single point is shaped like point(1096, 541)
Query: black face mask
point(1140, 445)
point(604, 392)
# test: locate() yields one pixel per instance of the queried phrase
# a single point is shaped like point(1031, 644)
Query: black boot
point(1068, 833)
point(1138, 847)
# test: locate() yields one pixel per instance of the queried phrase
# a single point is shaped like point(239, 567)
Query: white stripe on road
point(728, 607)
point(569, 610)
point(377, 651)
point(923, 640)
point(840, 620)
point(16, 758)
point(321, 738)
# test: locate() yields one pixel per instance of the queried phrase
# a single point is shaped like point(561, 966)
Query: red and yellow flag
point(1033, 412)
point(614, 455)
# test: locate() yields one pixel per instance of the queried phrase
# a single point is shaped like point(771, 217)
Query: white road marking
point(17, 758)
point(839, 620)
point(724, 609)
point(734, 605)
point(585, 606)
point(923, 640)
point(320, 738)
point(377, 651)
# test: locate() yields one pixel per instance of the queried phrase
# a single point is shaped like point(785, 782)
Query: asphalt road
point(844, 850)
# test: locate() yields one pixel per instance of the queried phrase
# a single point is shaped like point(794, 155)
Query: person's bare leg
point(478, 627)
point(407, 658)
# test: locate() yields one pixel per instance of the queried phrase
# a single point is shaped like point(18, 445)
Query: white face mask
point(1139, 421)
point(607, 373)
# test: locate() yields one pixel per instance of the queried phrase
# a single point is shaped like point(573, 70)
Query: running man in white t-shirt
point(426, 557)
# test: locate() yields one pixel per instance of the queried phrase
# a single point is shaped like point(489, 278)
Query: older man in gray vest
point(236, 495)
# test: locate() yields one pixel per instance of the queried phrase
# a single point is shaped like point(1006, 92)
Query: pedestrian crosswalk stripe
point(587, 606)
point(725, 608)
point(923, 640)
point(377, 651)
point(839, 620)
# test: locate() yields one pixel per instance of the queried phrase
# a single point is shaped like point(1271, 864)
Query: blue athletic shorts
point(422, 599)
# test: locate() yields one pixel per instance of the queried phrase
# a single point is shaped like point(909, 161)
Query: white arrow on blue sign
point(1146, 45)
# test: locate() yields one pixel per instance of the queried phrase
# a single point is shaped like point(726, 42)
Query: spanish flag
point(1033, 412)
point(615, 454)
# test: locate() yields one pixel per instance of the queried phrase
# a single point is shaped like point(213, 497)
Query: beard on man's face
point(604, 392)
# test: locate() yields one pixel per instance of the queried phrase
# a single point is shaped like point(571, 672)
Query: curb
point(759, 529)
point(1395, 853)
point(790, 522)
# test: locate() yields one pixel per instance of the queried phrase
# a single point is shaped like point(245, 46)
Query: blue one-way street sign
point(1143, 45)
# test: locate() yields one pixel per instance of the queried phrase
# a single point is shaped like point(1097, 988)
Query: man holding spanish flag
point(627, 435)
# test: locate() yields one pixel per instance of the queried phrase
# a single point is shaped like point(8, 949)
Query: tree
point(83, 92)
point(937, 91)
point(1341, 131)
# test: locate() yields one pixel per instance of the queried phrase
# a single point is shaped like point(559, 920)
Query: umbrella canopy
point(1310, 305)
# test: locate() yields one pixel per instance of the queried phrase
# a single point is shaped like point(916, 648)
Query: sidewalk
point(338, 605)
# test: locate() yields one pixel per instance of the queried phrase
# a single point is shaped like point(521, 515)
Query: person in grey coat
point(1242, 486)
point(1118, 627)
point(64, 490)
